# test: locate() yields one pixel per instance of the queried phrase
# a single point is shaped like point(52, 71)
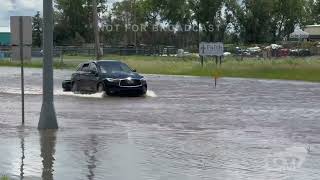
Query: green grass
point(4, 178)
point(306, 69)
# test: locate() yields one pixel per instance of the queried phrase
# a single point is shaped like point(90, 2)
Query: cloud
point(18, 8)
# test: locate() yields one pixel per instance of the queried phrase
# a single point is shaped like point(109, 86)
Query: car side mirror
point(134, 70)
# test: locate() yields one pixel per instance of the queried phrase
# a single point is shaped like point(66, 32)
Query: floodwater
point(184, 129)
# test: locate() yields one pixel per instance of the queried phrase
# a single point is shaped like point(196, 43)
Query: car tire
point(74, 87)
point(109, 93)
point(100, 88)
point(144, 90)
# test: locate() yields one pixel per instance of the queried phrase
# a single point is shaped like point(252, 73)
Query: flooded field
point(184, 129)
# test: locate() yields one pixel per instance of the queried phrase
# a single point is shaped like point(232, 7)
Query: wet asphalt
point(184, 129)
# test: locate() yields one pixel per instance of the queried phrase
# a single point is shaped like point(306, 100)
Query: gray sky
point(20, 7)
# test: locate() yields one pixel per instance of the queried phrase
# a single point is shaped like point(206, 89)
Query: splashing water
point(27, 91)
point(151, 94)
point(96, 95)
point(38, 91)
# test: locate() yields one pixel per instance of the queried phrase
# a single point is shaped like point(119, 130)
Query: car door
point(75, 77)
point(82, 77)
point(92, 77)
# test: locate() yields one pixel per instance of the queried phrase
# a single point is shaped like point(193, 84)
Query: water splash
point(38, 91)
point(151, 94)
point(96, 95)
point(27, 91)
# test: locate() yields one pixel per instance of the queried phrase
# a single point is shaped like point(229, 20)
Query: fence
point(122, 51)
point(82, 51)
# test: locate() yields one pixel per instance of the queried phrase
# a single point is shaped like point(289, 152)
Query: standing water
point(184, 129)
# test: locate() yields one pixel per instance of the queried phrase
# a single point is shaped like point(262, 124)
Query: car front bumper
point(114, 88)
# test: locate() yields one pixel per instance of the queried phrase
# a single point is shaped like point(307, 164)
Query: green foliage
point(37, 30)
point(261, 21)
point(248, 21)
point(75, 17)
point(287, 14)
point(211, 18)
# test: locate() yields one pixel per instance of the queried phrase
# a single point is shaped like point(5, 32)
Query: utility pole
point(22, 66)
point(135, 23)
point(48, 119)
point(96, 29)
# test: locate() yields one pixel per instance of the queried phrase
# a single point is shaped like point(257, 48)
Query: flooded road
point(184, 129)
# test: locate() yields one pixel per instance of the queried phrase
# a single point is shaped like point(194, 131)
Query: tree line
point(180, 23)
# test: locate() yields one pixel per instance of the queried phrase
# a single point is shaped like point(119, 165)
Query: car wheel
point(74, 87)
point(109, 93)
point(100, 88)
point(144, 90)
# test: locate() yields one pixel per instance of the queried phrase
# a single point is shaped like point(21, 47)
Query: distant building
point(314, 32)
point(5, 37)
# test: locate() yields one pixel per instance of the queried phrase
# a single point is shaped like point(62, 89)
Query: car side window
point(85, 68)
point(79, 67)
point(93, 67)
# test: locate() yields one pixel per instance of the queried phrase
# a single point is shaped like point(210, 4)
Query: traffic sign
point(211, 49)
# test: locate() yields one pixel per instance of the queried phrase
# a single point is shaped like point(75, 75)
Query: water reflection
point(91, 155)
point(47, 143)
point(21, 136)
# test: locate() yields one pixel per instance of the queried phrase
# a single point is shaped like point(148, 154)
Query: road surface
point(184, 129)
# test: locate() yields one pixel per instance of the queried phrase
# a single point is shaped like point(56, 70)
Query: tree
point(313, 10)
point(287, 14)
point(178, 13)
point(260, 21)
point(213, 19)
point(316, 11)
point(123, 18)
point(74, 17)
point(37, 30)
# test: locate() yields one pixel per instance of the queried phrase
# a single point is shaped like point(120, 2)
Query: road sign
point(21, 32)
point(211, 49)
point(15, 30)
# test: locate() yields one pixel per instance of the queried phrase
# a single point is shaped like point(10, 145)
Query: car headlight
point(111, 80)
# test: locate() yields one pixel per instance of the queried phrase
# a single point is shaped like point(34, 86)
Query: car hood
point(123, 75)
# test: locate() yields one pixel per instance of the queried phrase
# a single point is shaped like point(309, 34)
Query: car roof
point(106, 61)
point(97, 62)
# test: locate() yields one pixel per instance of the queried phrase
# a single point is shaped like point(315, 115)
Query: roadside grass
point(4, 178)
point(306, 69)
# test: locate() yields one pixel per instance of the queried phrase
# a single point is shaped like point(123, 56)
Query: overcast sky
point(20, 7)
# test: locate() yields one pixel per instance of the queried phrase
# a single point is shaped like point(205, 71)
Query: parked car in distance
point(110, 76)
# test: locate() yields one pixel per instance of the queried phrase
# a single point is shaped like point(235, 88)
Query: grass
point(306, 69)
point(4, 178)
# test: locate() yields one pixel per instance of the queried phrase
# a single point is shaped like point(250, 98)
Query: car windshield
point(111, 67)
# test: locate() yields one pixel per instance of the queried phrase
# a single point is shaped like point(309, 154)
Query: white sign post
point(211, 49)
